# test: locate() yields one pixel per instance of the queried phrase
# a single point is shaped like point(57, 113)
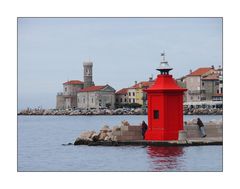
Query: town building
point(96, 97)
point(181, 82)
point(131, 95)
point(193, 82)
point(134, 94)
point(210, 86)
point(68, 98)
point(203, 84)
point(121, 97)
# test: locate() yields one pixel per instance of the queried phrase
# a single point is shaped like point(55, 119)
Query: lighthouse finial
point(163, 56)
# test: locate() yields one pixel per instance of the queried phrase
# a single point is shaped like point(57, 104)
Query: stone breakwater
point(123, 132)
point(203, 111)
point(126, 134)
point(119, 111)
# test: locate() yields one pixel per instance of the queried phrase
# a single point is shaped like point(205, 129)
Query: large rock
point(87, 134)
point(108, 112)
point(102, 135)
point(138, 111)
point(95, 137)
point(107, 138)
point(80, 141)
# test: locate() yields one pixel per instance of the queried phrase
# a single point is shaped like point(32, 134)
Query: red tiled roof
point(143, 84)
point(73, 82)
point(122, 91)
point(199, 72)
point(211, 77)
point(92, 88)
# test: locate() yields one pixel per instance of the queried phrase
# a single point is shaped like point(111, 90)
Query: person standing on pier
point(144, 129)
point(201, 127)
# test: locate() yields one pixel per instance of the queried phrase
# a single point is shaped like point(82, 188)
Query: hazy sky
point(123, 50)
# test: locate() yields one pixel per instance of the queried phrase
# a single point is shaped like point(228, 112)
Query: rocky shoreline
point(119, 111)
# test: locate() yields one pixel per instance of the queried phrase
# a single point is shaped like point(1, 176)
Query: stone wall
point(128, 132)
point(60, 104)
point(212, 129)
point(96, 99)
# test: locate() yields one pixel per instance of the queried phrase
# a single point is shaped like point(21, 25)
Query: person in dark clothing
point(201, 127)
point(144, 129)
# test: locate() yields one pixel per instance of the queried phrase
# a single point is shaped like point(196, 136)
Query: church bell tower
point(87, 72)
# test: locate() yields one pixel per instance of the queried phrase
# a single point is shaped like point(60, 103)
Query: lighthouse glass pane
point(155, 114)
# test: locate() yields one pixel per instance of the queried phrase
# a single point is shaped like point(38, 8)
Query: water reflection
point(165, 158)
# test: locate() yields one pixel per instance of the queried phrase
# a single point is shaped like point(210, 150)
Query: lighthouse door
point(157, 113)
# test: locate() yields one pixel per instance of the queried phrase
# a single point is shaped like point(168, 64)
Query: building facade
point(96, 97)
point(134, 94)
point(68, 98)
point(131, 95)
point(204, 84)
point(121, 97)
point(193, 82)
point(210, 85)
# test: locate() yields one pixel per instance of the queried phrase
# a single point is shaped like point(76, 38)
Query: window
point(133, 93)
point(129, 94)
point(133, 100)
point(84, 100)
point(120, 99)
point(116, 99)
point(92, 100)
point(202, 83)
point(221, 90)
point(125, 100)
point(65, 89)
point(155, 114)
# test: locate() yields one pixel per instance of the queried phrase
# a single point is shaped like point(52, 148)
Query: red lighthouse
point(165, 106)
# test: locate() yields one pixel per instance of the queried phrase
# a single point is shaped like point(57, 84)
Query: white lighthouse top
point(164, 66)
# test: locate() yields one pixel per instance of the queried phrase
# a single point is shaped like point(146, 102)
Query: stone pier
point(126, 134)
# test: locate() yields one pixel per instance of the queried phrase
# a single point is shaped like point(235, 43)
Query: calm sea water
point(40, 148)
